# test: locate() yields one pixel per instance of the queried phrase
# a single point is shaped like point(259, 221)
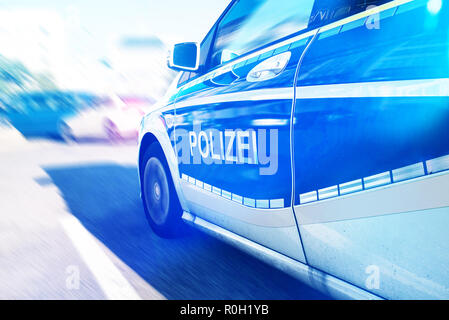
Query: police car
point(313, 134)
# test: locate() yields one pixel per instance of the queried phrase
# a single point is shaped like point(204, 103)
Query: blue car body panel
point(366, 138)
point(253, 190)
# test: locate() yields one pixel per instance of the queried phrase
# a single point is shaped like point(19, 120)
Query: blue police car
point(313, 134)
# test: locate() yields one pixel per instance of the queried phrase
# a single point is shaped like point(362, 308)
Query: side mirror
point(184, 56)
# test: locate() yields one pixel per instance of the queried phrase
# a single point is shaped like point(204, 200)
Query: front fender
point(153, 126)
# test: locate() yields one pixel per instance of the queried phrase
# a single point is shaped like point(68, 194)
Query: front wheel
point(159, 196)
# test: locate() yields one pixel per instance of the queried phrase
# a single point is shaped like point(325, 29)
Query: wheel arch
point(147, 140)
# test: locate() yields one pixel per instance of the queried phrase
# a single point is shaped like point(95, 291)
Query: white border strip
point(377, 89)
point(399, 88)
point(419, 194)
point(244, 201)
point(417, 173)
point(253, 95)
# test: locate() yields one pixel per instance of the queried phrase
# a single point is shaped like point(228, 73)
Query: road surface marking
point(110, 279)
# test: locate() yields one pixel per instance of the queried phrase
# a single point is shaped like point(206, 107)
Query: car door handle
point(224, 78)
point(269, 68)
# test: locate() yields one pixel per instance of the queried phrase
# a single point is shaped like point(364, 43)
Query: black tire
point(160, 200)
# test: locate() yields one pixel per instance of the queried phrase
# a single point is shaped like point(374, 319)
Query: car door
point(232, 123)
point(371, 146)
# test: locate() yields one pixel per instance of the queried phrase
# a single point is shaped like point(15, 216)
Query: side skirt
point(316, 279)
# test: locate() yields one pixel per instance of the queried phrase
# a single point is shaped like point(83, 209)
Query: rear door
point(371, 141)
point(233, 123)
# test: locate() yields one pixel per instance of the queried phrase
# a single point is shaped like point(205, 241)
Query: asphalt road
point(72, 227)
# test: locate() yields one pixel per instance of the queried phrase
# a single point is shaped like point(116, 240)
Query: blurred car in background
point(114, 119)
point(38, 114)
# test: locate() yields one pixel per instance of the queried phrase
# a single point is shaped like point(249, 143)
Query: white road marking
point(110, 279)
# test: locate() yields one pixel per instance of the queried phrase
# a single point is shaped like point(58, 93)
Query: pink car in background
point(116, 119)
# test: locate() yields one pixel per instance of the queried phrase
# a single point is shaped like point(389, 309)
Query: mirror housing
point(184, 57)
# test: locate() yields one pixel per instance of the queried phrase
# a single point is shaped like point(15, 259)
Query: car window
point(328, 11)
point(250, 24)
point(206, 46)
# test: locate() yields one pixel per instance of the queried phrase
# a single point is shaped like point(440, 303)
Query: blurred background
point(75, 79)
point(101, 60)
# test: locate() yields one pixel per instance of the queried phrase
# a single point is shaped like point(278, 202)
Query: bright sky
point(93, 23)
point(69, 38)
